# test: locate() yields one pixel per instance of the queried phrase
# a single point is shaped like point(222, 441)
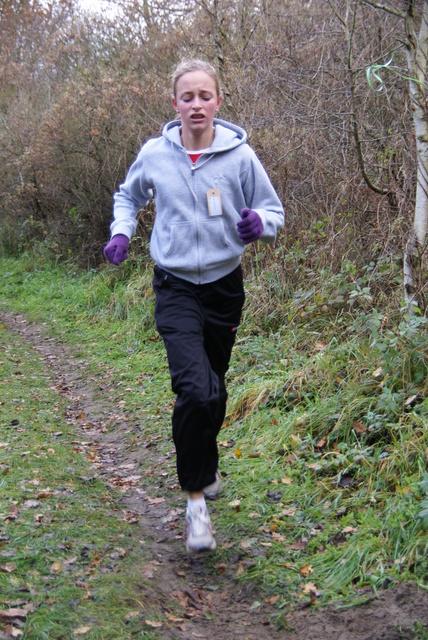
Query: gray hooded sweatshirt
point(189, 239)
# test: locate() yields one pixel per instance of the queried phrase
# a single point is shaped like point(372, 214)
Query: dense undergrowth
point(325, 447)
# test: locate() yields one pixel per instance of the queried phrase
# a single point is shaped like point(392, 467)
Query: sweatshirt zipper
point(195, 206)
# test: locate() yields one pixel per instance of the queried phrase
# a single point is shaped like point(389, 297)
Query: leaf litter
point(197, 600)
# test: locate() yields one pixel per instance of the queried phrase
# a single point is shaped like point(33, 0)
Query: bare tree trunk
point(417, 51)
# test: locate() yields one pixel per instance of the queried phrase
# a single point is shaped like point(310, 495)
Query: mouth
point(197, 116)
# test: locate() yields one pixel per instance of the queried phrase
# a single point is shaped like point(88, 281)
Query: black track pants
point(198, 324)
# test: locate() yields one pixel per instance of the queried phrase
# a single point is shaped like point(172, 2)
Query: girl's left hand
point(250, 228)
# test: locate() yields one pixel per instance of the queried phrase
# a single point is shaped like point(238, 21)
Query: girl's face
point(196, 100)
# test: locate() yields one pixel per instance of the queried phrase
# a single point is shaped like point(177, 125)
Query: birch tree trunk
point(416, 45)
point(417, 52)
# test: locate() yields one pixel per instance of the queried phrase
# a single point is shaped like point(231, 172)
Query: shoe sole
point(203, 549)
point(213, 496)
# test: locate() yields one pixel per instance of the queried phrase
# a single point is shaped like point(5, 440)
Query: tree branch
point(349, 35)
point(392, 10)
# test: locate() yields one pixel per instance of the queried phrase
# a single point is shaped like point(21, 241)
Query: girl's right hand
point(117, 249)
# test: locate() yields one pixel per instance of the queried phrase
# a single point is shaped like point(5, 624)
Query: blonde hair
point(186, 66)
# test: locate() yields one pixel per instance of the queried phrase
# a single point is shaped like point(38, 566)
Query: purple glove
point(250, 228)
point(117, 249)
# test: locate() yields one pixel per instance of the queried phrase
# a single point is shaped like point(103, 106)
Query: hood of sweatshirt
point(227, 135)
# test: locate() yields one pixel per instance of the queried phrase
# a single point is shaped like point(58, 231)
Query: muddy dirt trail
point(216, 606)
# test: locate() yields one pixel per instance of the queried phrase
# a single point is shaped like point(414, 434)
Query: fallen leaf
point(306, 570)
point(148, 572)
point(8, 567)
point(410, 400)
point(359, 427)
point(235, 504)
point(238, 453)
point(96, 559)
point(16, 612)
point(81, 584)
point(314, 465)
point(11, 632)
point(155, 500)
point(153, 624)
point(31, 504)
point(349, 530)
point(309, 588)
point(174, 619)
point(299, 545)
point(81, 631)
point(56, 567)
point(46, 493)
point(245, 544)
point(227, 444)
point(278, 537)
point(13, 513)
point(132, 614)
point(319, 346)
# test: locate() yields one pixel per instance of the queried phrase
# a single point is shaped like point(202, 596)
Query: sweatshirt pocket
point(214, 245)
point(180, 253)
point(193, 246)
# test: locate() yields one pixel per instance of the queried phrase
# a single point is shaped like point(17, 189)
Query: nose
point(196, 103)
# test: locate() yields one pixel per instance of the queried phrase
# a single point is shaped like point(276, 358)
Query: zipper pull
point(193, 168)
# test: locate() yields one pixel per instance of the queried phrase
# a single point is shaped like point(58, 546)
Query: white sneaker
point(199, 534)
point(212, 491)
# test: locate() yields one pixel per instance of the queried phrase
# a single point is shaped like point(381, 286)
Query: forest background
point(80, 93)
point(332, 363)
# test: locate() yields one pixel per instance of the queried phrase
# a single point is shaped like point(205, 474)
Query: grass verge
point(68, 557)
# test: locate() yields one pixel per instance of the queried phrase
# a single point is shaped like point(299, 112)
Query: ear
point(174, 102)
point(218, 103)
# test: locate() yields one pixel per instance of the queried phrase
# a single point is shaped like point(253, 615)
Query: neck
point(196, 143)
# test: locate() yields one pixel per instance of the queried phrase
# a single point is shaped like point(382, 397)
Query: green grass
point(324, 448)
point(67, 555)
